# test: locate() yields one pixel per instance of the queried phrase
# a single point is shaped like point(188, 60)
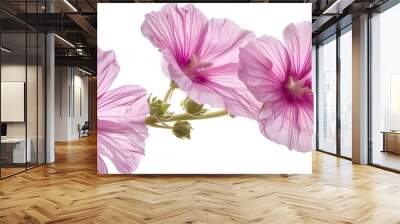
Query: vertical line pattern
point(26, 86)
point(316, 96)
point(338, 82)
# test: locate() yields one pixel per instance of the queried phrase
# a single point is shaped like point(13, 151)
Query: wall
point(71, 102)
point(61, 103)
point(79, 103)
point(33, 127)
point(17, 73)
point(14, 73)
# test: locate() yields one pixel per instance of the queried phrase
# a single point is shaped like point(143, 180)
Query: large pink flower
point(279, 76)
point(121, 130)
point(201, 56)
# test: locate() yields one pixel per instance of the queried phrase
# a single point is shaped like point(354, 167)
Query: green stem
point(168, 94)
point(158, 125)
point(185, 116)
point(160, 122)
point(188, 117)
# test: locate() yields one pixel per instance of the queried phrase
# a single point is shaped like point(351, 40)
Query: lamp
point(64, 40)
point(70, 5)
point(5, 50)
point(84, 71)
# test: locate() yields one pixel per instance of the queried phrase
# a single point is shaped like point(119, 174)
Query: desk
point(391, 141)
point(15, 148)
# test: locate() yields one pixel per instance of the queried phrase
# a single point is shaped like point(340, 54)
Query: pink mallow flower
point(121, 130)
point(202, 56)
point(279, 76)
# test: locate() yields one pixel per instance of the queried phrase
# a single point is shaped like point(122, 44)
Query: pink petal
point(175, 29)
point(107, 70)
point(121, 113)
point(125, 101)
point(222, 89)
point(298, 42)
point(184, 34)
point(264, 65)
point(288, 124)
point(101, 165)
point(122, 141)
point(121, 128)
point(220, 41)
point(198, 92)
point(236, 98)
point(286, 119)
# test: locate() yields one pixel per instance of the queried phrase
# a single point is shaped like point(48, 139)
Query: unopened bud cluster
point(182, 129)
point(158, 108)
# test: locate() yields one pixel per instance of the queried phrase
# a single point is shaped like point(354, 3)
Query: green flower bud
point(158, 107)
point(192, 107)
point(151, 119)
point(182, 129)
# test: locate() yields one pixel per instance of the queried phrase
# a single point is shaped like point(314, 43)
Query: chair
point(84, 130)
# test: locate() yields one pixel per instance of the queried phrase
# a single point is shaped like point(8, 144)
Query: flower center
point(195, 70)
point(296, 88)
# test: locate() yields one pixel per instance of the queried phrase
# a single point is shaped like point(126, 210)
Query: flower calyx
point(192, 107)
point(182, 129)
point(158, 108)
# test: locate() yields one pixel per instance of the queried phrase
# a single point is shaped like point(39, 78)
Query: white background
point(220, 145)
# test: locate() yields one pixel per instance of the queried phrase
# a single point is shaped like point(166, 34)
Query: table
point(391, 141)
point(13, 150)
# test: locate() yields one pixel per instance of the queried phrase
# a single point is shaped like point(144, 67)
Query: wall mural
point(204, 88)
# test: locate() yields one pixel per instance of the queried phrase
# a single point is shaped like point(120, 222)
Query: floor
point(70, 191)
point(10, 171)
point(387, 159)
point(5, 172)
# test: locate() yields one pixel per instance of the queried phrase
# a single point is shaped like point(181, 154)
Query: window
point(385, 89)
point(346, 93)
point(327, 96)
